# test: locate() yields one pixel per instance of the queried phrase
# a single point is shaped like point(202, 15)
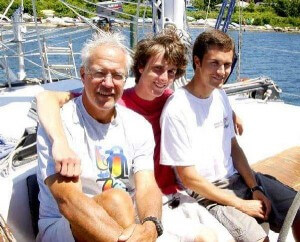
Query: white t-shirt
point(198, 132)
point(110, 153)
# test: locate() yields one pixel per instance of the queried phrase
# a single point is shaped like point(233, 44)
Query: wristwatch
point(157, 222)
point(255, 188)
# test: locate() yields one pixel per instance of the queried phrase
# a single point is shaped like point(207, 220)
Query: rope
point(288, 221)
point(6, 10)
point(18, 55)
point(71, 6)
point(208, 6)
point(87, 20)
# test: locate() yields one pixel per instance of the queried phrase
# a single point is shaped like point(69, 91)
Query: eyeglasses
point(101, 76)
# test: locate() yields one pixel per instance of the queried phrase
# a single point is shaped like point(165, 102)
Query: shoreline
point(252, 28)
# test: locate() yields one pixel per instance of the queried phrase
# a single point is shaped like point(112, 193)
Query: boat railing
point(259, 88)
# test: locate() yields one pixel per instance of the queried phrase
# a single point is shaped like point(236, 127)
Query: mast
point(168, 12)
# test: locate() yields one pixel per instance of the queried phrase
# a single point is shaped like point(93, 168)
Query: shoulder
point(69, 108)
point(128, 98)
point(223, 98)
point(131, 117)
point(136, 128)
point(168, 92)
point(127, 94)
point(219, 92)
point(176, 101)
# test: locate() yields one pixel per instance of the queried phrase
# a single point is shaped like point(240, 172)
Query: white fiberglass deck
point(269, 128)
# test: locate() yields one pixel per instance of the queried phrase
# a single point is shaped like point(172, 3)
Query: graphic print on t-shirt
point(223, 123)
point(112, 166)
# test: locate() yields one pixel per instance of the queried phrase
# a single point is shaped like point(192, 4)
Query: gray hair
point(101, 38)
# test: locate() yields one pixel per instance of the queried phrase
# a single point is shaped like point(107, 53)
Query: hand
point(238, 125)
point(127, 233)
point(258, 195)
point(137, 232)
point(66, 161)
point(254, 208)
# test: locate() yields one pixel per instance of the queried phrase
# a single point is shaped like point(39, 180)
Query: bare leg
point(206, 235)
point(118, 205)
point(296, 230)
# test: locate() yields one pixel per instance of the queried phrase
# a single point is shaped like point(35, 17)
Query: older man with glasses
point(113, 153)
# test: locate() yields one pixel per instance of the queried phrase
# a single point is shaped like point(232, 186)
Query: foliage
point(131, 9)
point(251, 7)
point(202, 4)
point(267, 15)
point(56, 5)
point(273, 12)
point(287, 8)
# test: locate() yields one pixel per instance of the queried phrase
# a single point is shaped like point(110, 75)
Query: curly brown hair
point(167, 42)
point(210, 38)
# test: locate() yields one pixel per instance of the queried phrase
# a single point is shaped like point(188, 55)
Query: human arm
point(48, 108)
point(195, 182)
point(83, 213)
point(237, 123)
point(149, 203)
point(148, 200)
point(242, 166)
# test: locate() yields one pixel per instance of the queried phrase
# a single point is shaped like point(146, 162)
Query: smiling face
point(155, 77)
point(102, 83)
point(211, 72)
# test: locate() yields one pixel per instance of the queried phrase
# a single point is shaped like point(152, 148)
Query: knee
point(115, 198)
point(206, 235)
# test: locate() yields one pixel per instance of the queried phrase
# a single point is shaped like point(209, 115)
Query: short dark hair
point(167, 42)
point(210, 38)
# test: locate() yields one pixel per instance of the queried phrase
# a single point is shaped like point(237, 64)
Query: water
point(272, 54)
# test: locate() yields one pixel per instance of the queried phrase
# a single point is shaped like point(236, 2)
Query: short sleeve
point(45, 161)
point(176, 147)
point(144, 150)
point(230, 112)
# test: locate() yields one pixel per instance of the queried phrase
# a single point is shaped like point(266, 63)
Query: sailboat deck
point(285, 166)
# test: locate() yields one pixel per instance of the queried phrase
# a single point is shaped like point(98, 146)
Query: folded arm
point(149, 203)
point(241, 164)
point(48, 108)
point(84, 214)
point(197, 183)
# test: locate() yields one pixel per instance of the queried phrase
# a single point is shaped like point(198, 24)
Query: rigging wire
point(86, 11)
point(240, 35)
point(6, 10)
point(206, 16)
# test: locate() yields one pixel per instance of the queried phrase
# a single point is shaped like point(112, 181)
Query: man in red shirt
point(158, 61)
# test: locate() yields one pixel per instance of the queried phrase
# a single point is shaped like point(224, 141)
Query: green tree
point(202, 4)
point(286, 8)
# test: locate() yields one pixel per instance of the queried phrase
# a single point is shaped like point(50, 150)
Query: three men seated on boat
point(158, 60)
point(112, 156)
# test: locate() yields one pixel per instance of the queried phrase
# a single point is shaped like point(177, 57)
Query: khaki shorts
point(242, 226)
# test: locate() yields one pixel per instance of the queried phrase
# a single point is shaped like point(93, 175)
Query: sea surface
point(272, 54)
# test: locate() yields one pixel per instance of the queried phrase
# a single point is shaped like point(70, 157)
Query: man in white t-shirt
point(198, 140)
point(116, 159)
